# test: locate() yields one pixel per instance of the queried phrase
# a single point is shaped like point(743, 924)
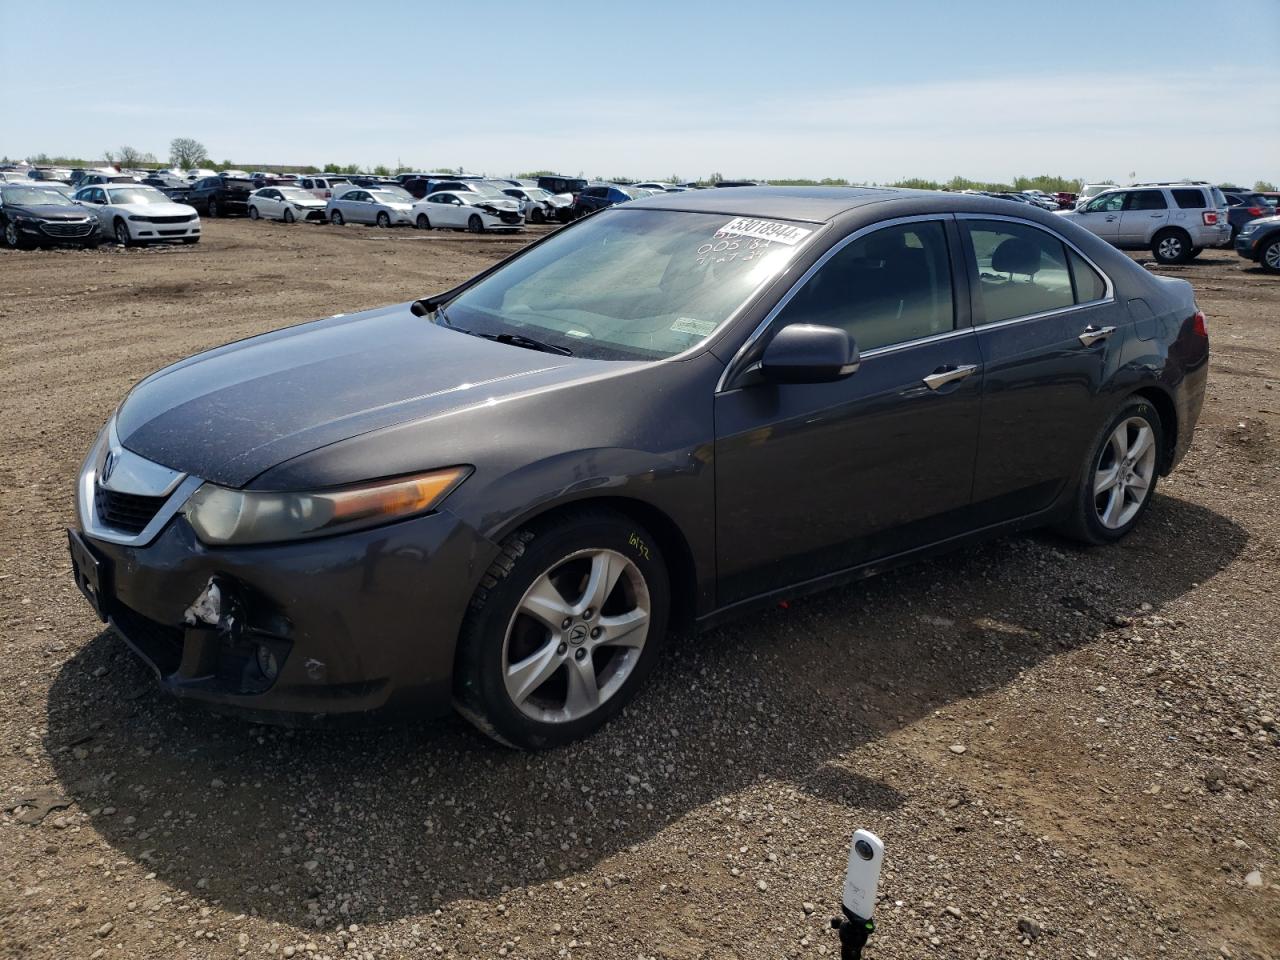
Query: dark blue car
point(597, 196)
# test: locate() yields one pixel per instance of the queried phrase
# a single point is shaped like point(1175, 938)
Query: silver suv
point(1174, 220)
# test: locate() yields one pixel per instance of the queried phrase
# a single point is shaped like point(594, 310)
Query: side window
point(890, 286)
point(1021, 271)
point(1189, 199)
point(1146, 200)
point(1107, 203)
point(1089, 285)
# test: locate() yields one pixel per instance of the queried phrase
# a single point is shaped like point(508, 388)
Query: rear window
point(1191, 199)
point(1089, 285)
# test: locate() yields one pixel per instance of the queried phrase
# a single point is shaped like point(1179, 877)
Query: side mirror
point(808, 353)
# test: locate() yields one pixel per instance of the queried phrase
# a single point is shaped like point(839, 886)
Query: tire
point(582, 679)
point(1269, 256)
point(537, 216)
point(1171, 246)
point(13, 238)
point(336, 218)
point(121, 231)
point(288, 216)
point(253, 213)
point(1104, 512)
point(1195, 252)
point(475, 224)
point(384, 220)
point(422, 223)
point(190, 240)
point(214, 212)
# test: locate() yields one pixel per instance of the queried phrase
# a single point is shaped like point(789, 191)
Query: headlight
point(1247, 229)
point(221, 516)
point(136, 217)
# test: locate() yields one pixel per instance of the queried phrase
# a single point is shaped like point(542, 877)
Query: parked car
point(597, 196)
point(199, 173)
point(658, 185)
point(421, 186)
point(1243, 206)
point(556, 184)
point(385, 207)
point(503, 495)
point(174, 188)
point(13, 176)
point(323, 187)
point(1259, 241)
point(287, 204)
point(1066, 200)
point(1041, 199)
point(1091, 190)
point(60, 174)
point(32, 214)
point(221, 195)
point(78, 175)
point(1272, 197)
point(739, 183)
point(487, 191)
point(92, 178)
point(1176, 221)
point(463, 210)
point(538, 206)
point(135, 213)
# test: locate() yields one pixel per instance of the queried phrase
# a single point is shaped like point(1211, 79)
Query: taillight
point(1210, 218)
point(1255, 211)
point(1198, 326)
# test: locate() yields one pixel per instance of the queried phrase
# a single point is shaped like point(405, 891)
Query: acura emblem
point(108, 465)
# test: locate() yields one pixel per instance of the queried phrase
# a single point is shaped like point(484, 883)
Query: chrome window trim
point(178, 490)
point(817, 265)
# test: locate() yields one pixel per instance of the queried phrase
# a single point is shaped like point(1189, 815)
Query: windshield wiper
point(519, 340)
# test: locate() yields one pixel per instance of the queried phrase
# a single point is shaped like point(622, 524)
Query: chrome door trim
point(817, 265)
point(935, 380)
point(1093, 334)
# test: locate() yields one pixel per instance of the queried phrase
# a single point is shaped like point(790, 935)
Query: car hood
point(49, 211)
point(231, 413)
point(155, 209)
point(1258, 221)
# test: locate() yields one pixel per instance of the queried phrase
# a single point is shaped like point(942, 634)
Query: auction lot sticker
point(773, 230)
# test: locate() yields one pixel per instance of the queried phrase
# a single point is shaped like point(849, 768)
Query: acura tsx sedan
point(504, 496)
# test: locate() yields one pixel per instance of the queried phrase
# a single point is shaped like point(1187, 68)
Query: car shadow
point(381, 823)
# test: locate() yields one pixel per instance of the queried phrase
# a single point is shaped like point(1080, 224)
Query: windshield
point(487, 190)
point(392, 195)
point(630, 284)
point(122, 195)
point(536, 193)
point(26, 196)
point(294, 193)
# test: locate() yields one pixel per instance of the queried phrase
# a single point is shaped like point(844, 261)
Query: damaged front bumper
point(346, 624)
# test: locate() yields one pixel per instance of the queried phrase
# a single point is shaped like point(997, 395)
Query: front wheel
point(384, 220)
point(288, 216)
point(1170, 246)
point(122, 234)
point(253, 213)
point(537, 216)
point(336, 218)
point(422, 223)
point(213, 208)
point(1119, 478)
point(12, 237)
point(563, 630)
point(1269, 258)
point(475, 224)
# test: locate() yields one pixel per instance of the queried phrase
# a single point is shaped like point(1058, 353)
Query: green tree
point(715, 178)
point(185, 152)
point(381, 171)
point(1264, 186)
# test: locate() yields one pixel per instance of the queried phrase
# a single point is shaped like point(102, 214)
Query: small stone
point(1253, 878)
point(1029, 928)
point(100, 673)
point(808, 907)
point(289, 951)
point(105, 929)
point(761, 886)
point(953, 911)
point(958, 748)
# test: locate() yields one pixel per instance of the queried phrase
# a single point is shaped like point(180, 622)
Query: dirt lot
point(1069, 753)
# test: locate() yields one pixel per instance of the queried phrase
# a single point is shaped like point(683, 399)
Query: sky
point(868, 91)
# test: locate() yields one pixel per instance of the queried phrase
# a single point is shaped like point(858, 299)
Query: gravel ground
point(1068, 753)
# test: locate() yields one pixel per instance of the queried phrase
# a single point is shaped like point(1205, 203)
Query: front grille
point(180, 218)
point(171, 233)
point(67, 229)
point(126, 512)
point(510, 217)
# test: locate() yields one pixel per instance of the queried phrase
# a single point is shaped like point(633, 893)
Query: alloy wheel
point(288, 216)
point(11, 234)
point(122, 234)
point(1124, 473)
point(384, 221)
point(253, 213)
point(576, 635)
point(1271, 256)
point(1170, 248)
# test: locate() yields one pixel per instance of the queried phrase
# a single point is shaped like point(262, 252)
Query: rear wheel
point(1120, 476)
point(563, 629)
point(475, 224)
point(336, 218)
point(1195, 252)
point(1171, 246)
point(213, 208)
point(422, 223)
point(1269, 258)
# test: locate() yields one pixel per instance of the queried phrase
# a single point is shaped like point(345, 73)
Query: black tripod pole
point(853, 933)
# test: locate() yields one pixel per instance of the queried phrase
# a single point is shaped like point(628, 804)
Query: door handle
point(942, 377)
point(1111, 219)
point(1093, 334)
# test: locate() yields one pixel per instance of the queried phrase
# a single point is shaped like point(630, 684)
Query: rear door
point(1145, 212)
point(1044, 320)
point(813, 478)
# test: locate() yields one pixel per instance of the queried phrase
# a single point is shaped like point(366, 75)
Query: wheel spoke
point(625, 630)
point(1120, 442)
point(1104, 480)
point(606, 567)
point(1138, 486)
point(533, 671)
point(584, 692)
point(1141, 445)
point(1115, 503)
point(544, 603)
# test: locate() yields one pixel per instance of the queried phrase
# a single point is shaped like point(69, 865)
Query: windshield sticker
point(576, 333)
point(764, 230)
point(699, 328)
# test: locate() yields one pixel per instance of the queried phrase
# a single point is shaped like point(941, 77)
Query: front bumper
point(357, 622)
point(1250, 246)
point(146, 230)
point(57, 231)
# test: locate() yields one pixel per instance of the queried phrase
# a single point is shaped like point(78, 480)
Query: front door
point(812, 479)
point(1101, 215)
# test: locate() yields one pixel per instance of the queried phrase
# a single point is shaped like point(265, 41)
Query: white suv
point(1174, 220)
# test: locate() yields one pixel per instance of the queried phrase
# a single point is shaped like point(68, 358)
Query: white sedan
point(135, 213)
point(461, 210)
point(287, 204)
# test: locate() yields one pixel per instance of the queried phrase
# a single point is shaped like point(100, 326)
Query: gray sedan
point(384, 206)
